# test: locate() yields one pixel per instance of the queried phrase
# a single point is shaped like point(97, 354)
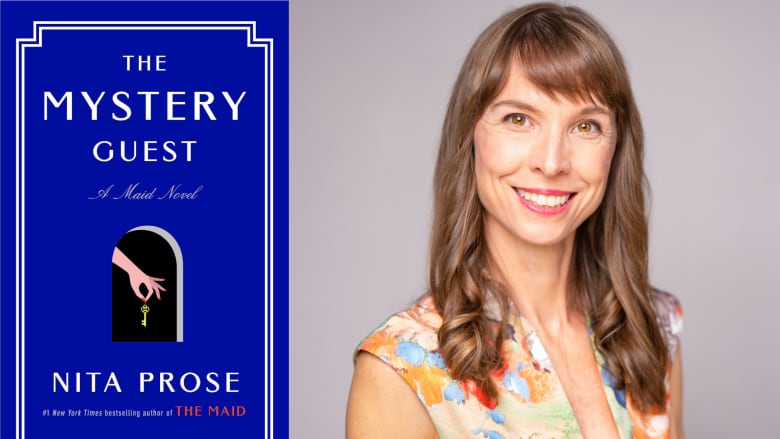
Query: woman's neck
point(536, 279)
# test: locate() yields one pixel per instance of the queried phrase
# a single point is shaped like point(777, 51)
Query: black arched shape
point(157, 254)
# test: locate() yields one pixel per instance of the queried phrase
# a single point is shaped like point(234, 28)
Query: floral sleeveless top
point(531, 401)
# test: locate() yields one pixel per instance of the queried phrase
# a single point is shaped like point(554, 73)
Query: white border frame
point(268, 139)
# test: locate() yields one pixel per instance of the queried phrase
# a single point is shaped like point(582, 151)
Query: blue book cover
point(143, 159)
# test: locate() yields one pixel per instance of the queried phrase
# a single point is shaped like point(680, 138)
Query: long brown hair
point(566, 52)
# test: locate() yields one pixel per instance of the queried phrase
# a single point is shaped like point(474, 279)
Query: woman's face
point(541, 162)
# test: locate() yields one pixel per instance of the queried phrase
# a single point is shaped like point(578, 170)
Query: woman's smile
point(545, 201)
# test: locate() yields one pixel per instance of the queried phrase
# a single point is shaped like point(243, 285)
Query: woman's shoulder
point(408, 334)
point(408, 342)
point(670, 318)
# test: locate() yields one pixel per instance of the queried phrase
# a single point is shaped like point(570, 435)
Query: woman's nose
point(550, 155)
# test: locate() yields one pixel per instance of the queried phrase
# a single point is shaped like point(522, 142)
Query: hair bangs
point(564, 62)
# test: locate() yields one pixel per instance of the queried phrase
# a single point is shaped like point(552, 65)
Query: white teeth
point(544, 200)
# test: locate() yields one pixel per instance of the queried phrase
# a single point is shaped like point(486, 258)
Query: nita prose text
point(162, 382)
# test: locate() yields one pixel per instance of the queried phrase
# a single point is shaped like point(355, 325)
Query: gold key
point(144, 309)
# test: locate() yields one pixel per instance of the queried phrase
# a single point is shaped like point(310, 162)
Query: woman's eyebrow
point(524, 106)
point(594, 109)
point(515, 103)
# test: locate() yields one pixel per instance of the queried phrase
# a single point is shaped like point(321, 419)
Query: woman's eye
point(517, 119)
point(588, 127)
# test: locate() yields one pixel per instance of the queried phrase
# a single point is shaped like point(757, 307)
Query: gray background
point(368, 87)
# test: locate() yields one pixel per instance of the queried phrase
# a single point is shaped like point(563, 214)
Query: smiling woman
point(550, 154)
point(539, 320)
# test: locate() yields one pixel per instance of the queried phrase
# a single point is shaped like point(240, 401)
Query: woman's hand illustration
point(138, 277)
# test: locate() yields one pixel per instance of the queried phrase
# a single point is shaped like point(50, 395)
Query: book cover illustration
point(143, 161)
point(139, 256)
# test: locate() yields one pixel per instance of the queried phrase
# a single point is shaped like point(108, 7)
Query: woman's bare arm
point(381, 405)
